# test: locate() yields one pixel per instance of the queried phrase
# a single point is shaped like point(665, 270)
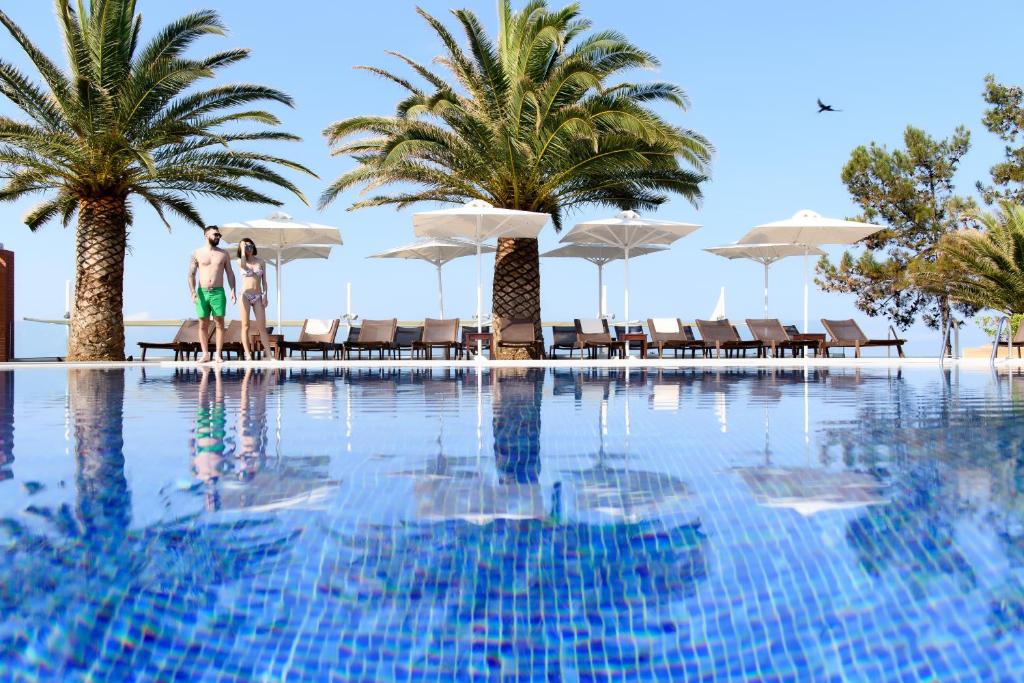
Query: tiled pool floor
point(520, 523)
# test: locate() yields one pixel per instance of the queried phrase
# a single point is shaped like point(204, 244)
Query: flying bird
point(825, 107)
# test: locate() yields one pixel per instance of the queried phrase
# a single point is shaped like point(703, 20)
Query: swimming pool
point(568, 524)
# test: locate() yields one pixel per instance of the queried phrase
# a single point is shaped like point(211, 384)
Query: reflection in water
point(97, 410)
point(209, 444)
point(516, 401)
point(588, 563)
point(84, 596)
point(951, 465)
point(6, 424)
point(252, 424)
point(229, 452)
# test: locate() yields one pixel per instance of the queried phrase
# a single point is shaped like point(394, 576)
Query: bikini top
point(252, 271)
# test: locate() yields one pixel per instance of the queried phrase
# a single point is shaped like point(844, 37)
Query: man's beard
point(213, 241)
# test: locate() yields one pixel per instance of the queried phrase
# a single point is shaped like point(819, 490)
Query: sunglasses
point(216, 234)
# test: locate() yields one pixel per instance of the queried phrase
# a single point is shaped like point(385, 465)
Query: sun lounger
point(592, 334)
point(771, 333)
point(563, 337)
point(720, 334)
point(353, 336)
point(233, 339)
point(520, 333)
point(374, 335)
point(316, 335)
point(467, 349)
point(438, 334)
point(847, 334)
point(406, 337)
point(185, 342)
point(670, 333)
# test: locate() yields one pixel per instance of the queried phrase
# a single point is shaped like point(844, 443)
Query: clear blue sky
point(753, 71)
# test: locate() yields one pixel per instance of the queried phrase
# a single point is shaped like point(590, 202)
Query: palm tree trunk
point(97, 317)
point(516, 290)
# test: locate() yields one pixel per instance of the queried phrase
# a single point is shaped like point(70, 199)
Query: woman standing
point(253, 299)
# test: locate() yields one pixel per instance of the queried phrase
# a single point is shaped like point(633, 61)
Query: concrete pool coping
point(655, 363)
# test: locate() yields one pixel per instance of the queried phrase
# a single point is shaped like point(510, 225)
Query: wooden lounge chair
point(720, 334)
point(592, 334)
point(438, 334)
point(670, 333)
point(185, 342)
point(374, 335)
point(563, 337)
point(847, 334)
point(771, 333)
point(353, 336)
point(316, 335)
point(233, 340)
point(406, 337)
point(520, 333)
point(467, 349)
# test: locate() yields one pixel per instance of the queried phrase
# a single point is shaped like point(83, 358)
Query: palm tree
point(539, 121)
point(123, 121)
point(984, 268)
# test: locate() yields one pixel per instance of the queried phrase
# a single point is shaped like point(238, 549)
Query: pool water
point(528, 523)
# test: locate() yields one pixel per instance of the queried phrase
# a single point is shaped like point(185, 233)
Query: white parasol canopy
point(435, 250)
point(765, 254)
point(809, 228)
point(600, 255)
point(276, 232)
point(477, 221)
point(627, 230)
point(294, 253)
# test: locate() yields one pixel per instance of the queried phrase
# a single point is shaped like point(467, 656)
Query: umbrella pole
point(440, 290)
point(279, 314)
point(625, 297)
point(806, 273)
point(766, 289)
point(600, 286)
point(479, 296)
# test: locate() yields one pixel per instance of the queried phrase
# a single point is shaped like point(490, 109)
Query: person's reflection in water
point(97, 410)
point(516, 404)
point(6, 424)
point(251, 450)
point(209, 444)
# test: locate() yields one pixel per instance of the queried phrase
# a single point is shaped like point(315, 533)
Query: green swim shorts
point(211, 301)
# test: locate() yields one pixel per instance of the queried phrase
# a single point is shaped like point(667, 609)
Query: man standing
point(213, 265)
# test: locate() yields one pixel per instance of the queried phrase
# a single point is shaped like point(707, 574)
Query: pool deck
point(632, 363)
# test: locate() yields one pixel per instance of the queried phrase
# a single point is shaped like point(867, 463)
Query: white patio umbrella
point(477, 221)
point(600, 255)
point(765, 254)
point(436, 250)
point(809, 228)
point(276, 232)
point(296, 253)
point(627, 231)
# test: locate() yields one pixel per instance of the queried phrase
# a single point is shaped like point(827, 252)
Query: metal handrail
point(995, 342)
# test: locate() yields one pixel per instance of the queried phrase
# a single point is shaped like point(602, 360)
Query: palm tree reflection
point(546, 591)
point(516, 424)
point(97, 411)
